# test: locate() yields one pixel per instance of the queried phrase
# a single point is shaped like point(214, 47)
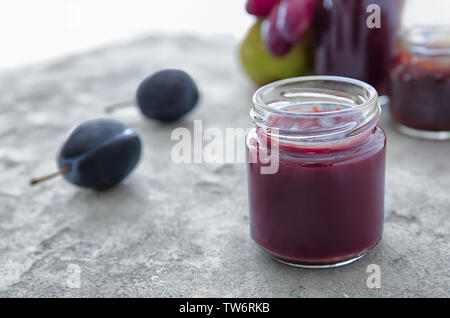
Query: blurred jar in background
point(347, 46)
point(420, 102)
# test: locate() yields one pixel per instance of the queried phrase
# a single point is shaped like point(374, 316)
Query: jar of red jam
point(420, 102)
point(322, 202)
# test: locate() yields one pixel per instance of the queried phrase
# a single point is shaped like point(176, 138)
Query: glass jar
point(323, 203)
point(348, 46)
point(420, 102)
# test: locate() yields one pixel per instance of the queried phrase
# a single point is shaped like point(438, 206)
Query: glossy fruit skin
point(167, 95)
point(101, 153)
point(272, 37)
point(295, 18)
point(262, 67)
point(260, 8)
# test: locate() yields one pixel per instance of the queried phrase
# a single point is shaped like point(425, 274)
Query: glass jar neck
point(427, 42)
point(316, 111)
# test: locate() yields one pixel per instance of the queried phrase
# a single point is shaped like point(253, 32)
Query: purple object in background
point(295, 18)
point(273, 39)
point(346, 46)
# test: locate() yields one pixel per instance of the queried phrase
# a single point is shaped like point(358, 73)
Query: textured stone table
point(182, 230)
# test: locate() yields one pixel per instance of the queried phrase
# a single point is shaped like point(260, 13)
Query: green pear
point(262, 67)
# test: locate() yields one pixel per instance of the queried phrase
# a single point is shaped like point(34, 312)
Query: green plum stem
point(50, 176)
point(111, 108)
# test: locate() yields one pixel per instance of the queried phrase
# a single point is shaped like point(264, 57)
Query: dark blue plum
point(167, 95)
point(99, 153)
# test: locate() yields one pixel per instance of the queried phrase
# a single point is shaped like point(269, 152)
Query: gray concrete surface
point(182, 230)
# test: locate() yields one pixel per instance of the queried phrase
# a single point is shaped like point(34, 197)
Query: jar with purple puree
point(316, 170)
point(349, 42)
point(420, 102)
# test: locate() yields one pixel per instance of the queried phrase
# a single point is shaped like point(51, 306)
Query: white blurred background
point(32, 31)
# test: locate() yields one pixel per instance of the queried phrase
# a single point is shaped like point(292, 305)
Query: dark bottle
point(348, 46)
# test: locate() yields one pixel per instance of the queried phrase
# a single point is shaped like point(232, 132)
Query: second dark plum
point(167, 95)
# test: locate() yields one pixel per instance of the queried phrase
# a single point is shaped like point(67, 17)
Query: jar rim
point(371, 100)
point(351, 108)
point(427, 40)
